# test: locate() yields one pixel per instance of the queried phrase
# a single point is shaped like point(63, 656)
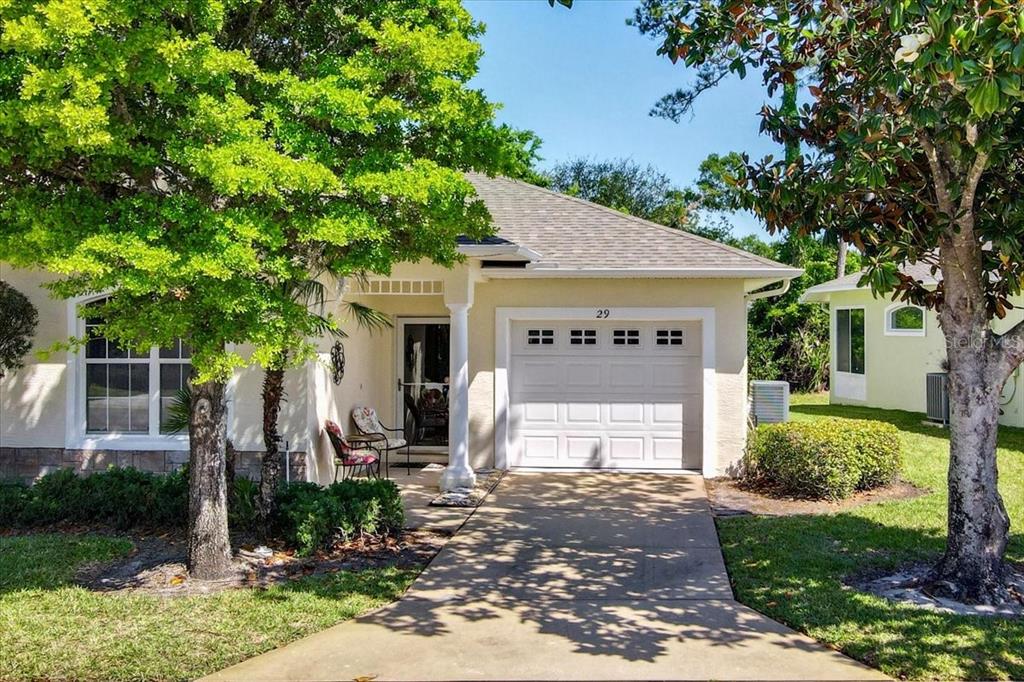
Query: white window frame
point(849, 385)
point(76, 435)
point(890, 331)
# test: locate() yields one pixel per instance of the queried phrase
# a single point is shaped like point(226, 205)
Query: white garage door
point(605, 395)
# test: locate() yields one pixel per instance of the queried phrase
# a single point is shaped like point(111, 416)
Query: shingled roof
point(820, 293)
point(573, 234)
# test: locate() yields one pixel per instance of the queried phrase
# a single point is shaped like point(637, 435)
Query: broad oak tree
point(196, 161)
point(914, 152)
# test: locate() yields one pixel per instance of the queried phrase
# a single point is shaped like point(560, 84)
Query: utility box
point(770, 401)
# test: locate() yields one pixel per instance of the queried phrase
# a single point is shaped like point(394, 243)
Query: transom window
point(128, 392)
point(904, 320)
point(850, 340)
point(626, 337)
point(668, 337)
point(582, 337)
point(540, 337)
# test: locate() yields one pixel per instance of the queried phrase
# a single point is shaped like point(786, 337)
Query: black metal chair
point(368, 423)
point(352, 454)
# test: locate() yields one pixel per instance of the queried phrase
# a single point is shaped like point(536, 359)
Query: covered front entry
point(605, 393)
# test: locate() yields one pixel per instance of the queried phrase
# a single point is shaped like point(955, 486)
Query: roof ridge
point(682, 234)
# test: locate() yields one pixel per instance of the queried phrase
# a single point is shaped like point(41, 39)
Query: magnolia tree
point(914, 152)
point(195, 161)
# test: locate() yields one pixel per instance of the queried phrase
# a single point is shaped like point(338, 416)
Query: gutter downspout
point(769, 293)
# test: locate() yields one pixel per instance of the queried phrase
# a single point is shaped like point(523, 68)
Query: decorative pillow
point(333, 429)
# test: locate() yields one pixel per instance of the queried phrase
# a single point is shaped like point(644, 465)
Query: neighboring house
point(882, 350)
point(578, 337)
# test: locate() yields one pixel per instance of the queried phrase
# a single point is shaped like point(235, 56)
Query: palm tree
point(312, 293)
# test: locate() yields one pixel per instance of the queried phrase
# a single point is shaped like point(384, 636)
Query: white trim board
point(502, 359)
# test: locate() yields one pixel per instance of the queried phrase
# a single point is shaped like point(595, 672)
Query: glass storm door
point(423, 367)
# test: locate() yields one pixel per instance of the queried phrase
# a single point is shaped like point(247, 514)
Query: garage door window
point(668, 337)
point(540, 337)
point(626, 337)
point(582, 337)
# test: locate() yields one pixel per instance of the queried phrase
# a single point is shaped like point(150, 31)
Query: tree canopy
point(913, 152)
point(195, 159)
point(18, 320)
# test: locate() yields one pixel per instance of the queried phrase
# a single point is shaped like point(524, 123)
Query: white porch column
point(459, 473)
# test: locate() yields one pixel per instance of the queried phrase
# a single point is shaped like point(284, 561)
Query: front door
point(423, 368)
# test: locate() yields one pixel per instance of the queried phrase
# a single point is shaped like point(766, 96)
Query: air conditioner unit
point(937, 397)
point(770, 401)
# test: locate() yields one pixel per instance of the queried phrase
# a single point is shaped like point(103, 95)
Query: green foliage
point(120, 497)
point(18, 320)
point(200, 160)
point(826, 459)
point(310, 517)
point(914, 135)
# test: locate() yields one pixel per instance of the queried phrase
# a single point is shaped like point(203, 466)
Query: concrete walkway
point(567, 577)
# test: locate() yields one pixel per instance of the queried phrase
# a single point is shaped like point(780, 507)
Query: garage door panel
point(630, 413)
point(540, 413)
point(584, 450)
point(667, 414)
point(604, 405)
point(577, 413)
point(627, 375)
point(540, 449)
point(626, 448)
point(667, 449)
point(583, 375)
point(533, 374)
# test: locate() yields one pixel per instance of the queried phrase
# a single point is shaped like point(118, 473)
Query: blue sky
point(584, 82)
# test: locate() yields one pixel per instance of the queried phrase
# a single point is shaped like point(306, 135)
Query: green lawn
point(792, 568)
point(50, 629)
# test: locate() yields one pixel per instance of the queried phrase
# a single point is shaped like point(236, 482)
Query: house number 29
point(603, 313)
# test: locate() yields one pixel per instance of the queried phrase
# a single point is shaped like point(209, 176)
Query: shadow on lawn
point(796, 570)
point(913, 422)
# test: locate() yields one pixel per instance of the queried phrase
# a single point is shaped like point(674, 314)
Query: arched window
point(123, 392)
point(904, 319)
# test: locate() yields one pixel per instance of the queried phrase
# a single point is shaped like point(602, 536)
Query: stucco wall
point(33, 400)
point(895, 366)
point(371, 378)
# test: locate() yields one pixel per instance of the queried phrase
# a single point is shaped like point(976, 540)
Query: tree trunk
point(841, 258)
point(972, 569)
point(270, 466)
point(209, 548)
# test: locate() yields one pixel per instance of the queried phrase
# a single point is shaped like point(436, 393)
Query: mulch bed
point(157, 564)
point(733, 497)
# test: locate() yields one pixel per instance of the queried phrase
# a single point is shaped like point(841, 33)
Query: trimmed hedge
point(824, 459)
point(308, 517)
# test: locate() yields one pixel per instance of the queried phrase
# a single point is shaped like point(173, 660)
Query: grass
point(792, 568)
point(51, 629)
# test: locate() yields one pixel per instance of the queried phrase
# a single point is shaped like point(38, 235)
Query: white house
point(575, 338)
point(882, 350)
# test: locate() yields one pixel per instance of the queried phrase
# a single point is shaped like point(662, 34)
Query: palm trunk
point(209, 548)
point(270, 466)
point(972, 569)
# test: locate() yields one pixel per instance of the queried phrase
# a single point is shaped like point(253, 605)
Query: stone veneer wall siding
point(28, 464)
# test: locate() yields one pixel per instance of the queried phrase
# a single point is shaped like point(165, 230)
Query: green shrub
point(824, 459)
point(310, 517)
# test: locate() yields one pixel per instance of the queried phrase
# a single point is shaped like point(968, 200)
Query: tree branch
point(1011, 347)
point(971, 182)
point(940, 175)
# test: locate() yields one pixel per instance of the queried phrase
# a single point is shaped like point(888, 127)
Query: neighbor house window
point(904, 320)
point(127, 391)
point(850, 340)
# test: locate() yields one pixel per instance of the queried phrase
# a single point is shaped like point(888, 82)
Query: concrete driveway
point(567, 577)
